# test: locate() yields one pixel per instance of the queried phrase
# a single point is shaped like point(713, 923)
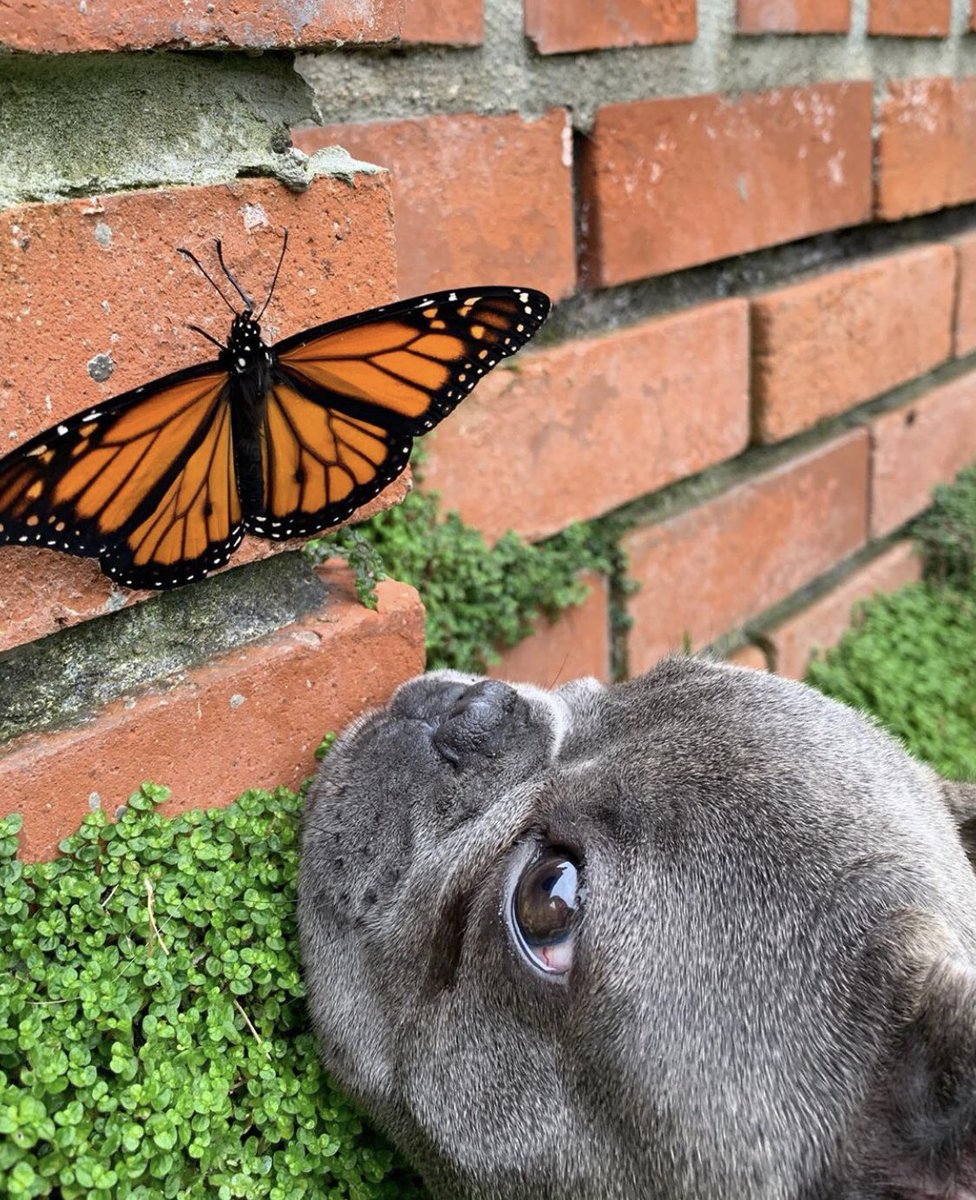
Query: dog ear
point(918, 1137)
point(960, 799)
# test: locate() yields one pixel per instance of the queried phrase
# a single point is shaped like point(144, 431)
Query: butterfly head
point(245, 347)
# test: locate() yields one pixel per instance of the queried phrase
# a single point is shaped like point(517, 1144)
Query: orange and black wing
point(145, 483)
point(346, 399)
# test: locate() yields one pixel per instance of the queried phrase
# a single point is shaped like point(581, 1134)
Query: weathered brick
point(252, 717)
point(824, 345)
point(478, 199)
point(576, 644)
point(558, 26)
point(794, 16)
point(128, 296)
point(821, 624)
point(965, 334)
point(443, 22)
point(580, 429)
point(926, 129)
point(710, 568)
point(917, 447)
point(909, 18)
point(44, 28)
point(667, 184)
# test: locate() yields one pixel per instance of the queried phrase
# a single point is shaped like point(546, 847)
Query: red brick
point(916, 147)
point(575, 431)
point(558, 26)
point(576, 644)
point(443, 22)
point(253, 717)
point(965, 339)
point(711, 568)
point(918, 447)
point(909, 18)
point(822, 346)
point(128, 293)
point(478, 199)
point(671, 183)
point(823, 623)
point(794, 16)
point(750, 656)
point(926, 129)
point(41, 27)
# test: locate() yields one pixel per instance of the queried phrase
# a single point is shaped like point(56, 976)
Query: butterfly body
point(249, 364)
point(162, 483)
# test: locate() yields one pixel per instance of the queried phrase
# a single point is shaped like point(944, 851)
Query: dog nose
point(485, 702)
point(475, 721)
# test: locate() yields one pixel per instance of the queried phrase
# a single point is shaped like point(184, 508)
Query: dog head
point(702, 934)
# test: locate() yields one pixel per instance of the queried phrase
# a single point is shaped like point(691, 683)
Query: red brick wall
point(763, 256)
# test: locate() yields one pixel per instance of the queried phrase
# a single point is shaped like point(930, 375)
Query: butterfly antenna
point(248, 302)
point(209, 337)
point(199, 266)
point(281, 259)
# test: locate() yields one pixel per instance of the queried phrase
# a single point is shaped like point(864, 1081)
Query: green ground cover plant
point(911, 662)
point(910, 658)
point(153, 1037)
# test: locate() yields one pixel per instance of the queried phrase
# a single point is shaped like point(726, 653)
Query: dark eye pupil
point(546, 900)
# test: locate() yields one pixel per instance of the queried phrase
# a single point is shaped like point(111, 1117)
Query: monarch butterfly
point(161, 483)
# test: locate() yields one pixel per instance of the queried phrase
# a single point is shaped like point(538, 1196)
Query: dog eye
point(545, 911)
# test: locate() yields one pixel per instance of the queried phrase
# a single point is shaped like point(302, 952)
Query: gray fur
point(773, 993)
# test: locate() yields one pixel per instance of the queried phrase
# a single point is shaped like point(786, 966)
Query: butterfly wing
point(145, 482)
point(148, 482)
point(347, 398)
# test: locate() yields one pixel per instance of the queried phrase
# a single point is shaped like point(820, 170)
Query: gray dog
point(706, 934)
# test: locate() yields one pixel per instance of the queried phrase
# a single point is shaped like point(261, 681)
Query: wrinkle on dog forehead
point(458, 862)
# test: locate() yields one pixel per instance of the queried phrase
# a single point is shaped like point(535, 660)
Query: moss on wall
point(479, 598)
